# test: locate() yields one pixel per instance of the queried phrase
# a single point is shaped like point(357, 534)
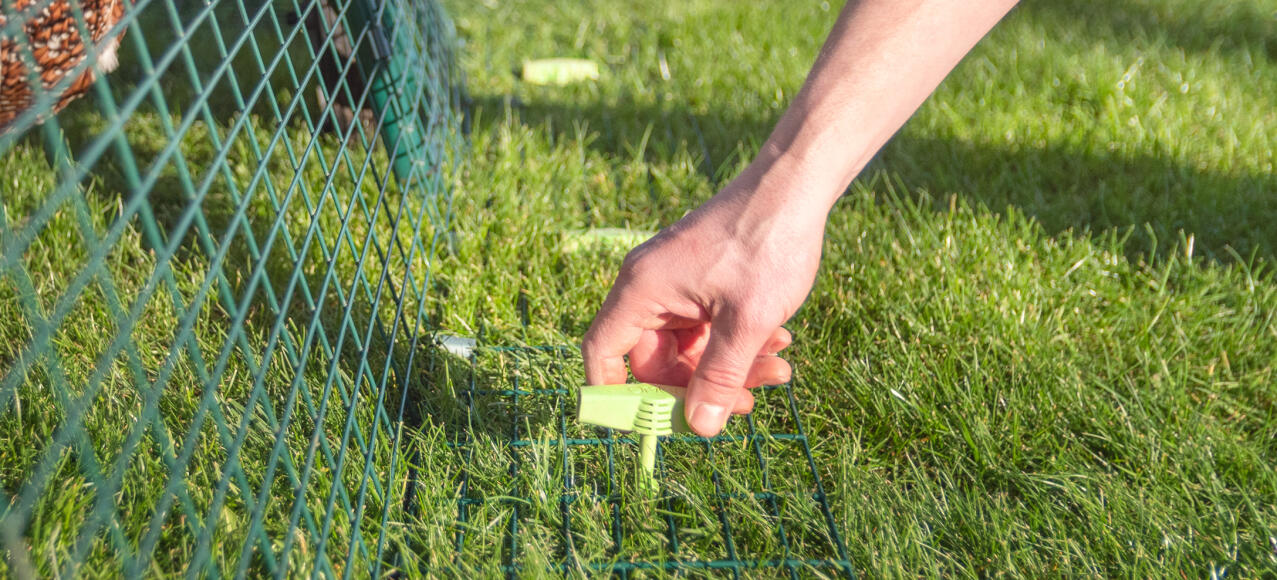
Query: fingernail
point(708, 418)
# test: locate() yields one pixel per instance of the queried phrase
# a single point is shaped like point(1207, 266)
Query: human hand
point(701, 304)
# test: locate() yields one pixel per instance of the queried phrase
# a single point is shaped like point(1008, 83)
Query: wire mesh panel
point(525, 489)
point(216, 221)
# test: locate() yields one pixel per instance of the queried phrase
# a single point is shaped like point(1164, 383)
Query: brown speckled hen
point(54, 40)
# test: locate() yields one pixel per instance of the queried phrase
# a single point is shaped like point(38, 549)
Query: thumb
point(720, 376)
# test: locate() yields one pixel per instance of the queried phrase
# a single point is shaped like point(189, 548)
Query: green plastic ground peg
point(610, 239)
point(559, 71)
point(650, 411)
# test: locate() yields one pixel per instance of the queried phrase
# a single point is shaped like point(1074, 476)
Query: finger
point(779, 340)
point(722, 372)
point(655, 359)
point(769, 370)
point(613, 333)
point(773, 372)
point(669, 357)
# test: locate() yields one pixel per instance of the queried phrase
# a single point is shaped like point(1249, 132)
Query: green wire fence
point(214, 270)
point(532, 491)
point(217, 355)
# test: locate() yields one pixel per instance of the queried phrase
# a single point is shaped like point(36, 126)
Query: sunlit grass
point(1042, 342)
point(1042, 339)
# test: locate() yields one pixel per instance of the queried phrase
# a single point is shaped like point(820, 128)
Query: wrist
point(768, 213)
point(778, 185)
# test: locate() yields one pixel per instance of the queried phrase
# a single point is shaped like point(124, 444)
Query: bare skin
point(702, 303)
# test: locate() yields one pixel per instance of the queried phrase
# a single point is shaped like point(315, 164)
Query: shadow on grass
point(1231, 27)
point(1063, 189)
point(367, 316)
point(374, 359)
point(244, 202)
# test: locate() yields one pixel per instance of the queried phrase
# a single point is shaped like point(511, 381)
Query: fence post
point(392, 86)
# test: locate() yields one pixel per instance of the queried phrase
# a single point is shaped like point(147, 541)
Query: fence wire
point(214, 279)
point(217, 220)
point(526, 491)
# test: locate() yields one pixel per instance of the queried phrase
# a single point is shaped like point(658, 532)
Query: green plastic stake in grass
point(610, 239)
point(650, 411)
point(559, 71)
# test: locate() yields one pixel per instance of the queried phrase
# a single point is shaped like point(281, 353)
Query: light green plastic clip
point(559, 71)
point(648, 410)
point(611, 239)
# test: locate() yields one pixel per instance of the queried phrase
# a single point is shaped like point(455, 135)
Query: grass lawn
point(1043, 338)
point(1042, 342)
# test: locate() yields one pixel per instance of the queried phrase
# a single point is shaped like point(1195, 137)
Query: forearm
point(880, 62)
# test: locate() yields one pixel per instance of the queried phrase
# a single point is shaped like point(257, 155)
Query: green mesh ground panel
point(214, 278)
point(528, 490)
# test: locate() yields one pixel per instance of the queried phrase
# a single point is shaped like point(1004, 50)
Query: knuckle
point(591, 343)
point(721, 379)
point(587, 348)
point(756, 312)
point(752, 321)
point(592, 333)
point(634, 265)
